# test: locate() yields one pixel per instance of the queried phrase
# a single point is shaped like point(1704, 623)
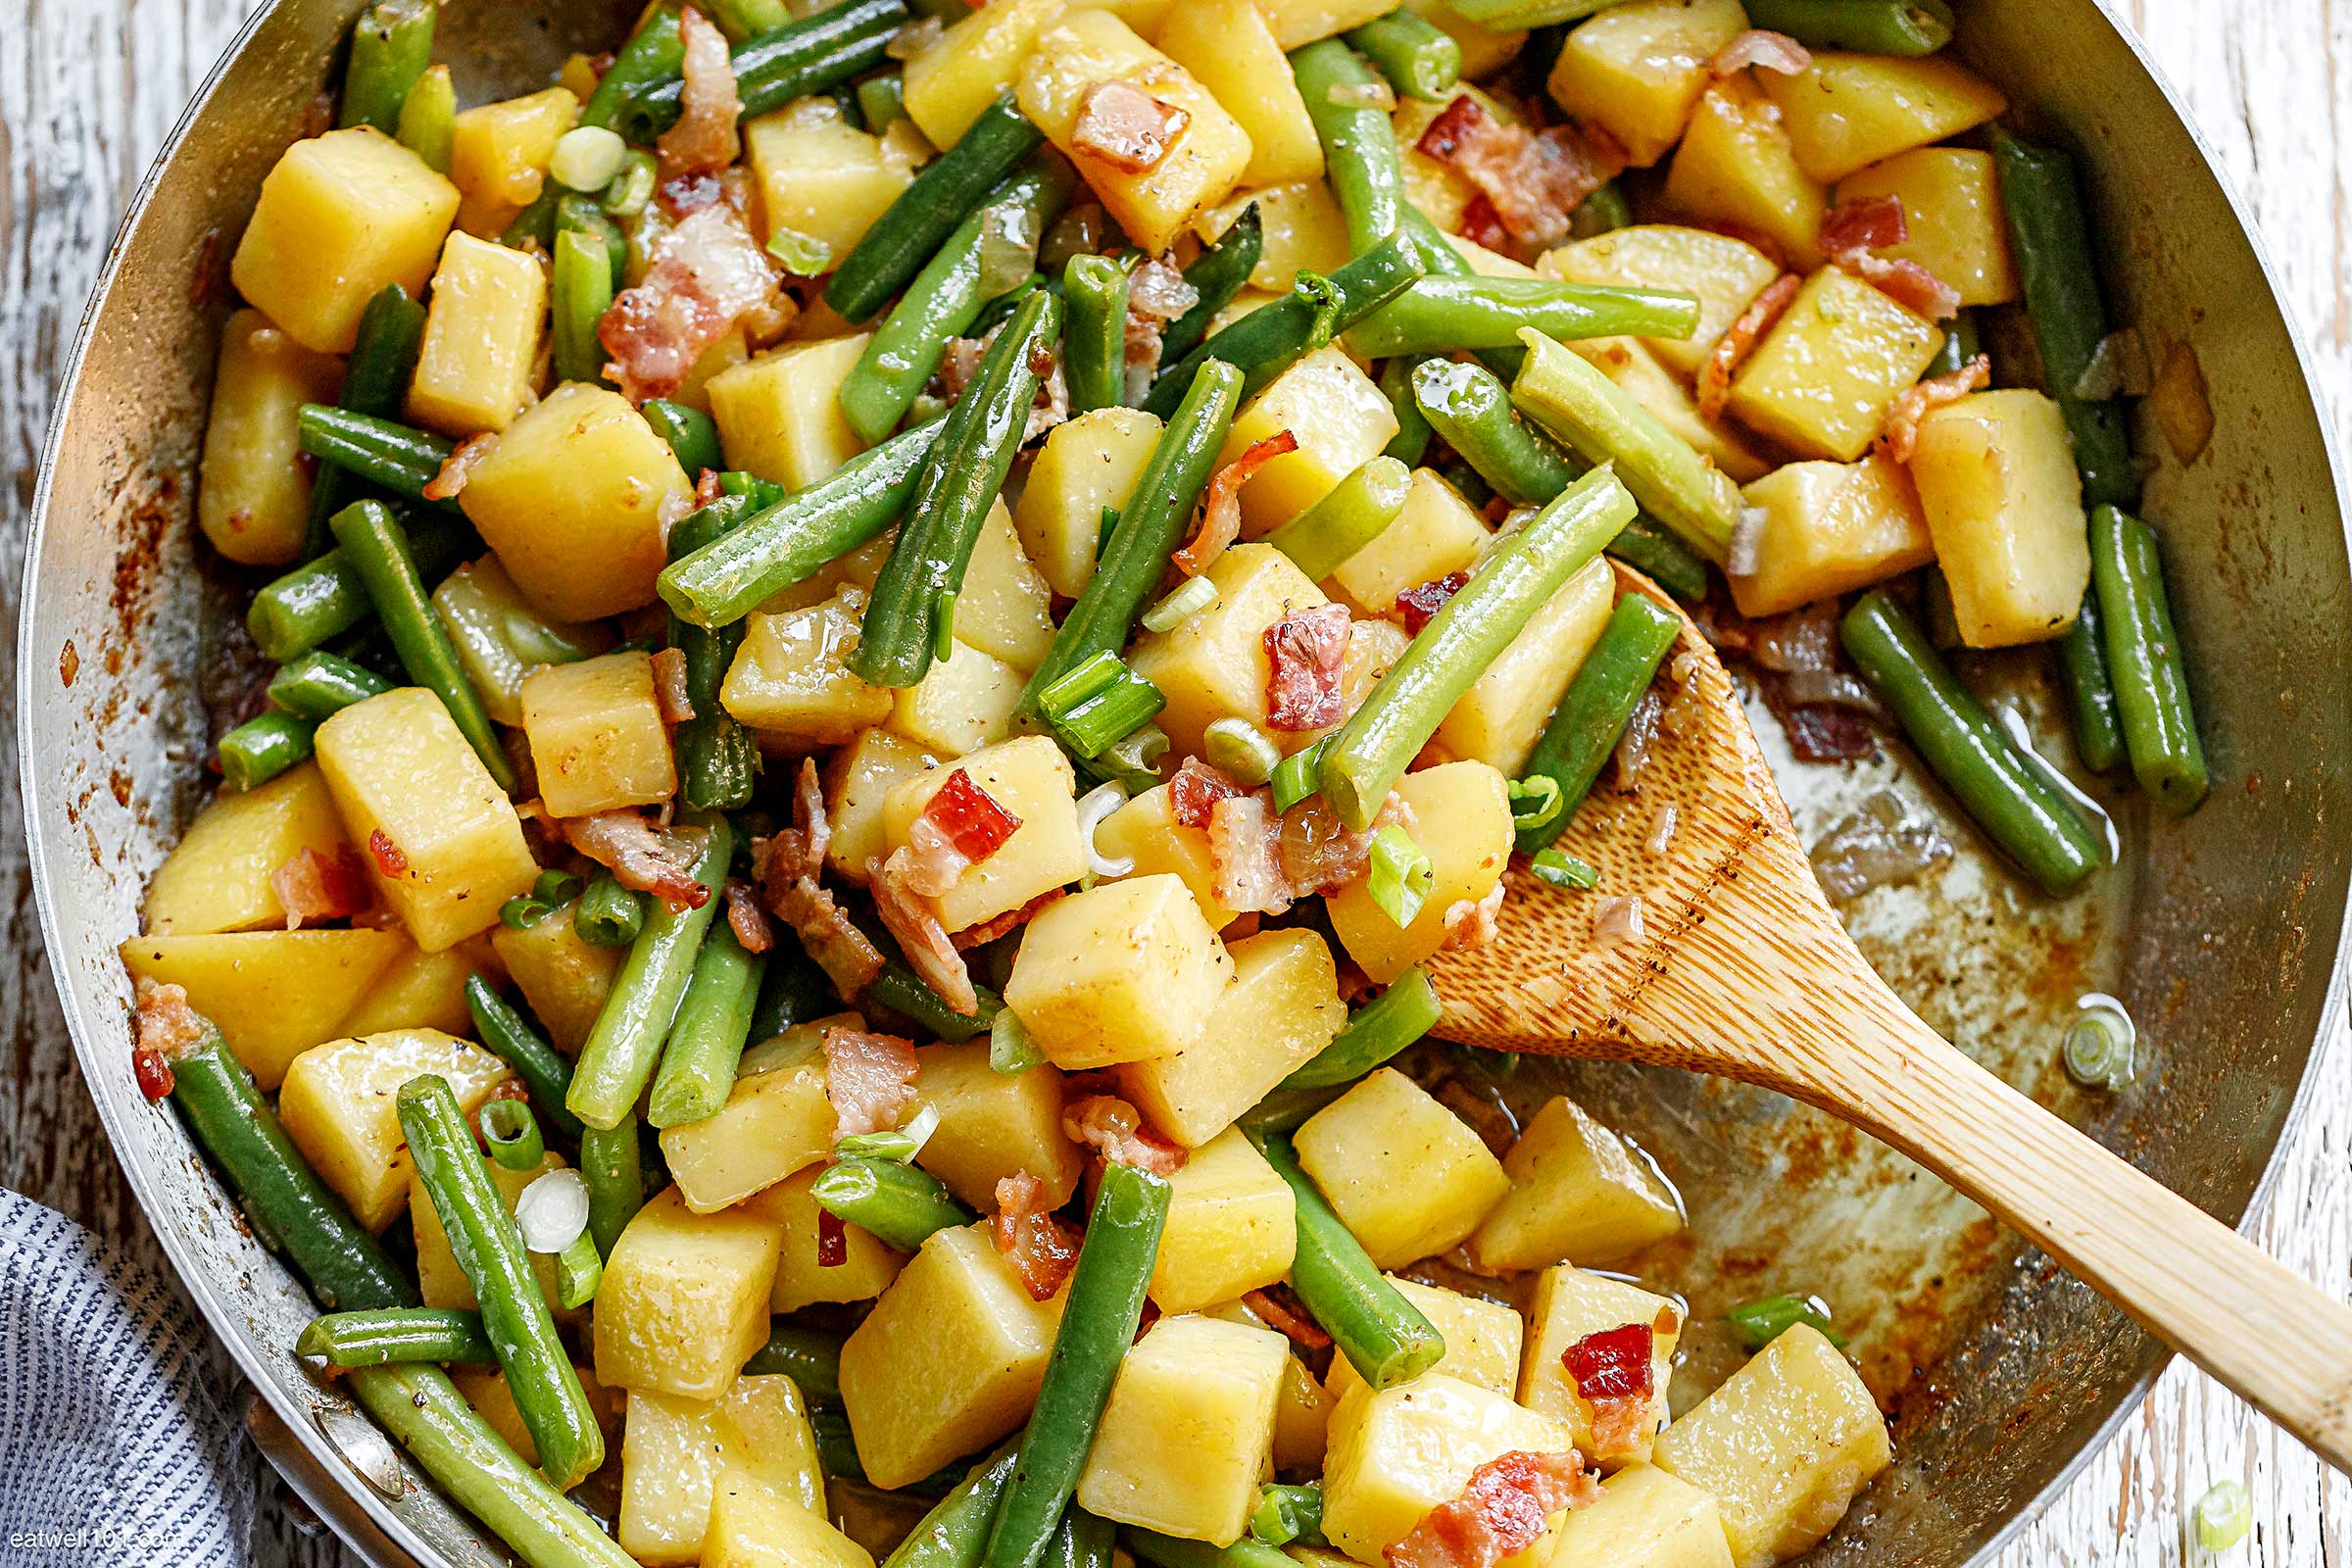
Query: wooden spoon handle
point(2272, 1337)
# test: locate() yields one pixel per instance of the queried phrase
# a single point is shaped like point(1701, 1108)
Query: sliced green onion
point(633, 186)
point(1103, 529)
point(1010, 1051)
point(943, 627)
point(1535, 802)
point(1761, 1322)
point(512, 1134)
point(899, 1144)
point(1196, 595)
point(1133, 760)
point(1400, 875)
point(608, 915)
point(1097, 703)
point(524, 910)
point(2098, 1047)
point(803, 254)
point(1241, 750)
point(1325, 297)
point(1560, 870)
point(1293, 777)
point(1081, 685)
point(2223, 1516)
point(587, 157)
point(1287, 1514)
point(557, 888)
point(579, 1272)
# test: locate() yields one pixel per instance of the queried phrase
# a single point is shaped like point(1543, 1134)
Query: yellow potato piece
point(859, 779)
point(1829, 529)
point(1724, 275)
point(478, 366)
point(218, 877)
point(254, 499)
point(1405, 1175)
point(1438, 532)
point(791, 677)
point(597, 736)
point(338, 1106)
point(1576, 1192)
point(1122, 971)
point(423, 991)
point(1214, 664)
point(1146, 831)
point(440, 1280)
point(272, 993)
point(865, 1270)
point(1823, 378)
point(1188, 1431)
point(1569, 1303)
point(1232, 1228)
point(1645, 1518)
point(1463, 823)
point(1397, 1454)
point(1282, 1007)
point(1952, 208)
point(673, 1452)
point(1340, 419)
point(1482, 1341)
point(1029, 777)
point(1846, 110)
point(779, 415)
point(993, 1125)
point(1736, 166)
point(776, 1121)
point(1497, 721)
point(963, 71)
point(2004, 505)
point(751, 1525)
point(498, 153)
point(1087, 465)
point(684, 1300)
point(563, 977)
point(821, 178)
point(1636, 71)
point(1301, 228)
point(1228, 45)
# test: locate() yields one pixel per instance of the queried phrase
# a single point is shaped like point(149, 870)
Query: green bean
point(383, 359)
point(653, 52)
point(794, 61)
point(1080, 1541)
point(1470, 408)
point(428, 1417)
point(742, 19)
point(792, 991)
point(2143, 658)
point(505, 1034)
point(941, 303)
point(1098, 1320)
point(373, 543)
point(608, 914)
point(811, 1357)
point(1376, 1031)
point(1444, 315)
point(1603, 211)
point(1507, 14)
point(2089, 689)
point(1419, 59)
point(290, 1209)
point(1153, 525)
point(1412, 441)
point(905, 620)
point(1270, 339)
point(949, 190)
point(583, 215)
point(429, 119)
point(1962, 342)
point(2049, 235)
point(2018, 810)
point(955, 1533)
point(511, 1135)
point(1369, 1320)
point(262, 747)
point(1908, 27)
point(692, 434)
point(317, 685)
point(391, 44)
point(612, 1164)
point(1094, 343)
point(534, 227)
point(487, 1244)
point(582, 293)
point(1217, 274)
point(1583, 731)
point(1357, 510)
point(880, 100)
point(900, 1203)
point(901, 990)
point(325, 598)
point(1663, 557)
point(401, 458)
point(386, 1335)
point(1360, 157)
point(1600, 423)
point(717, 755)
point(713, 1023)
point(1519, 576)
point(1172, 1551)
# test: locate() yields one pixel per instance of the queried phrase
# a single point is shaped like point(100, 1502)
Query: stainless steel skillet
point(2224, 933)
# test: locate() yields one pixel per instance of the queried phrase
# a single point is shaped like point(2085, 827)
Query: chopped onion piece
point(1093, 806)
point(1742, 556)
point(914, 37)
point(587, 157)
point(1400, 875)
point(1878, 844)
point(553, 1211)
point(1194, 595)
point(1617, 921)
point(1661, 829)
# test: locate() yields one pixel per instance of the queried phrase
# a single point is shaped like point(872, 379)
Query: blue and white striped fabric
point(119, 1441)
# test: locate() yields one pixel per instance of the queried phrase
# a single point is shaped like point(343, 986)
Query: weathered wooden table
point(88, 89)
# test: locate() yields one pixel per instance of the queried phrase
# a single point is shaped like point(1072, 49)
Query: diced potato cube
point(1087, 465)
point(2004, 505)
point(779, 415)
point(949, 1359)
point(1029, 777)
point(1145, 16)
point(1004, 608)
point(864, 1273)
point(1736, 166)
point(597, 736)
point(274, 994)
point(1629, 363)
point(859, 779)
point(820, 177)
point(673, 1451)
point(1497, 719)
point(1301, 1410)
point(1301, 228)
point(791, 679)
point(1569, 1304)
point(1281, 1008)
point(859, 570)
point(1829, 529)
point(1300, 23)
point(1214, 664)
point(752, 1526)
point(1373, 649)
point(1229, 47)
point(1784, 1445)
point(570, 498)
point(1645, 1518)
point(440, 1280)
point(1203, 162)
point(1952, 207)
point(444, 845)
point(1405, 1176)
point(498, 153)
point(1846, 110)
point(1724, 275)
point(1436, 533)
point(1820, 381)
point(1636, 71)
point(254, 499)
point(962, 703)
point(563, 977)
point(1464, 827)
point(477, 366)
point(1397, 1454)
point(993, 1125)
point(684, 1300)
point(731, 350)
point(1342, 422)
point(1232, 1228)
point(1482, 1341)
point(500, 637)
point(337, 1103)
point(962, 72)
point(423, 991)
point(1120, 972)
point(1577, 1190)
point(1146, 831)
point(1485, 50)
point(1189, 1428)
point(486, 1390)
point(217, 878)
point(339, 217)
point(774, 1123)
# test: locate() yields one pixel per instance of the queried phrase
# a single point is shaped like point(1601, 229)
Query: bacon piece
point(973, 936)
point(312, 888)
point(869, 1079)
point(1219, 522)
point(1614, 1375)
point(1418, 606)
point(1470, 922)
point(1818, 732)
point(1124, 127)
point(708, 273)
point(1769, 51)
point(1040, 1249)
point(449, 483)
point(1904, 281)
point(707, 487)
point(974, 820)
point(748, 920)
point(909, 916)
point(1245, 842)
point(390, 858)
point(704, 139)
point(1900, 438)
point(1320, 854)
point(1864, 223)
point(684, 195)
point(1117, 1133)
point(1534, 179)
point(832, 1239)
point(1195, 790)
point(1739, 340)
point(794, 859)
point(1481, 225)
point(1288, 1315)
point(168, 1030)
point(1502, 1512)
point(930, 863)
point(1159, 292)
point(669, 686)
point(1305, 651)
point(642, 857)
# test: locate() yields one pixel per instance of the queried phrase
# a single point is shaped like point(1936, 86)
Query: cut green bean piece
point(608, 914)
point(319, 685)
point(793, 991)
point(1376, 1031)
point(2089, 689)
point(900, 1203)
point(1507, 14)
point(1470, 407)
point(901, 990)
point(692, 434)
point(802, 58)
point(1961, 343)
point(2143, 659)
point(1411, 440)
point(612, 1164)
point(429, 119)
point(1661, 555)
point(1080, 1541)
point(1760, 1322)
point(1286, 1514)
point(1357, 510)
point(717, 755)
point(713, 1024)
point(262, 747)
point(1217, 274)
point(391, 45)
point(325, 598)
point(1447, 314)
point(401, 458)
point(390, 1335)
point(510, 1134)
point(928, 212)
point(383, 361)
point(1604, 212)
point(653, 52)
point(811, 1357)
point(583, 291)
point(1360, 156)
point(1384, 1336)
point(1419, 59)
point(1592, 714)
point(1906, 28)
point(509, 1037)
point(743, 19)
point(881, 100)
point(955, 1533)
point(1094, 343)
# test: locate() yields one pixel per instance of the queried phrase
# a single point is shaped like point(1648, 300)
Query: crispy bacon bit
point(973, 936)
point(390, 858)
point(1287, 1316)
point(1418, 606)
point(1470, 922)
point(1771, 51)
point(1117, 1133)
point(1320, 854)
point(683, 195)
point(1195, 790)
point(669, 686)
point(704, 139)
point(707, 487)
point(909, 916)
point(788, 871)
point(707, 272)
point(312, 888)
point(1245, 858)
point(1864, 223)
point(456, 468)
point(152, 1072)
point(1219, 522)
point(1158, 290)
point(1915, 403)
point(1481, 225)
point(832, 1239)
point(1534, 179)
point(930, 863)
point(1904, 281)
point(1040, 1249)
point(641, 855)
point(869, 1079)
point(957, 365)
point(1613, 1363)
point(1739, 340)
point(748, 920)
point(1504, 1510)
point(974, 820)
point(1124, 127)
point(1305, 651)
point(1818, 732)
point(168, 1030)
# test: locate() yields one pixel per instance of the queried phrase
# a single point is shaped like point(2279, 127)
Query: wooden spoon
point(1742, 970)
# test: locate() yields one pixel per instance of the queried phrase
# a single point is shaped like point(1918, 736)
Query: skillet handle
point(326, 1495)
